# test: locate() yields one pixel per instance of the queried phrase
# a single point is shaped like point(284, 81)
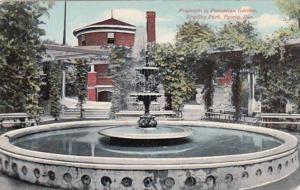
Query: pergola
point(291, 54)
point(68, 54)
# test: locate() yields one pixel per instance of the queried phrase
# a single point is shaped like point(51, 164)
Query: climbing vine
point(177, 85)
point(122, 78)
point(81, 83)
point(55, 90)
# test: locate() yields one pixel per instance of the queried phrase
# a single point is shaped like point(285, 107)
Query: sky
point(170, 14)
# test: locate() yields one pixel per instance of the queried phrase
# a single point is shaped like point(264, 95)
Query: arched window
point(104, 96)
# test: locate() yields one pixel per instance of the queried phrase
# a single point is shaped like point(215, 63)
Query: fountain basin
point(127, 168)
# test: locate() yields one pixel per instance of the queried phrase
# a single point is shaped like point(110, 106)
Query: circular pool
point(73, 155)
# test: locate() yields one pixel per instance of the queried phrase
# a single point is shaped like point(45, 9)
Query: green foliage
point(194, 44)
point(55, 90)
point(240, 35)
point(70, 80)
point(177, 85)
point(20, 53)
point(278, 79)
point(123, 80)
point(195, 40)
point(81, 83)
point(290, 8)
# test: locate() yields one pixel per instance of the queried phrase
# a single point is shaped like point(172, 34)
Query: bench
point(217, 115)
point(13, 119)
point(277, 119)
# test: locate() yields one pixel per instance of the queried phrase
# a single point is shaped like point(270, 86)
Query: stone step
point(74, 113)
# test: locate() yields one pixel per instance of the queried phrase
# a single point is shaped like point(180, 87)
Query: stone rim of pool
point(282, 159)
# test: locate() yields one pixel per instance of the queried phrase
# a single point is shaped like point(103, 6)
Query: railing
point(13, 119)
point(279, 119)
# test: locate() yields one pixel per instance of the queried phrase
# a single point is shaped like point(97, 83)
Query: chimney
point(151, 26)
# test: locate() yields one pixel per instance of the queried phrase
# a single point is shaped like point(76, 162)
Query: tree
point(208, 90)
point(81, 83)
point(194, 43)
point(54, 95)
point(177, 85)
point(239, 36)
point(21, 51)
point(290, 8)
point(278, 78)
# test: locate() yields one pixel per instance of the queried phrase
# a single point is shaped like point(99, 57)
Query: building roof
point(59, 52)
point(109, 25)
point(111, 21)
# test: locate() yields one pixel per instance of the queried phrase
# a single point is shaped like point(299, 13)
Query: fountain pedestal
point(147, 120)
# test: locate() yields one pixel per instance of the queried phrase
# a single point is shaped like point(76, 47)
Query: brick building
point(102, 34)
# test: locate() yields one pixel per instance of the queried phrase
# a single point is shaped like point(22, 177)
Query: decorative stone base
point(229, 172)
point(147, 121)
point(224, 178)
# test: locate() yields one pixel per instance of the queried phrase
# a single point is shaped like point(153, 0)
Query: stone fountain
point(174, 155)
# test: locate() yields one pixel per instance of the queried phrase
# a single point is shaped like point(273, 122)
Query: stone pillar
point(251, 99)
point(92, 80)
point(92, 68)
point(63, 84)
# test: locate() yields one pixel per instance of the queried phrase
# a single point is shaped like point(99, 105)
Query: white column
point(92, 68)
point(63, 87)
point(251, 99)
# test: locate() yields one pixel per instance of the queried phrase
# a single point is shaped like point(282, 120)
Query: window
point(110, 38)
point(110, 35)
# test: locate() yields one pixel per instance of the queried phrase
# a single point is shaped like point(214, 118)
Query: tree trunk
point(208, 96)
point(168, 105)
point(236, 89)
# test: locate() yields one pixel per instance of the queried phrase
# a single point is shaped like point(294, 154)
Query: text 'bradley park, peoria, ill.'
point(241, 13)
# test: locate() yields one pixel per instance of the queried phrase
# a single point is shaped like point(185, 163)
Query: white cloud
point(132, 16)
point(164, 35)
point(269, 21)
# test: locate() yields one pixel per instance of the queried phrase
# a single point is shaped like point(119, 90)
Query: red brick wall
point(124, 39)
point(104, 81)
point(92, 95)
point(92, 79)
point(100, 39)
point(101, 68)
point(93, 39)
point(151, 37)
point(226, 80)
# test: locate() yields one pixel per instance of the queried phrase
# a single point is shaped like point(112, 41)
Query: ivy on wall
point(81, 83)
point(55, 89)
